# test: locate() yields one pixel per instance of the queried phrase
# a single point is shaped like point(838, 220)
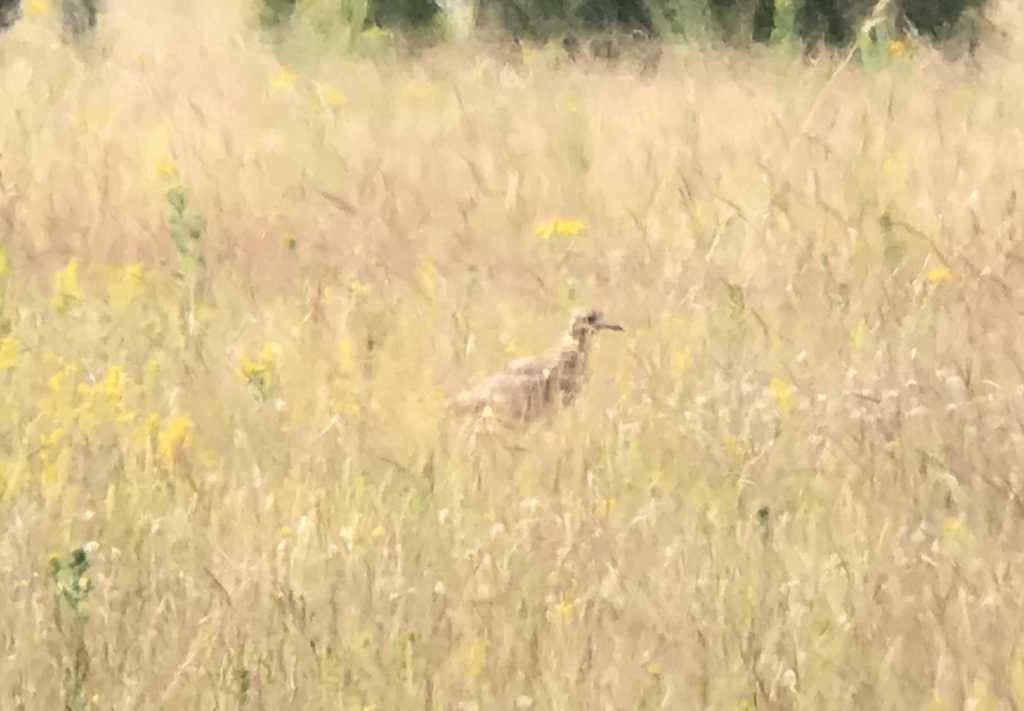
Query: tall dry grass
point(795, 482)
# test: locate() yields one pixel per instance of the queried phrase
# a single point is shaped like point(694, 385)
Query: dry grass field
point(240, 285)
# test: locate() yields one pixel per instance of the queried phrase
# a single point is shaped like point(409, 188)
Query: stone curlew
point(530, 386)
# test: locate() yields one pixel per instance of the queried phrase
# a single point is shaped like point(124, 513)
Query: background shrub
point(833, 23)
point(9, 12)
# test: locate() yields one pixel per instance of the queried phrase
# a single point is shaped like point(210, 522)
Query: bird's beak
point(609, 327)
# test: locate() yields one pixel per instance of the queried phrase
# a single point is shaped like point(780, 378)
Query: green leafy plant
point(187, 228)
point(71, 586)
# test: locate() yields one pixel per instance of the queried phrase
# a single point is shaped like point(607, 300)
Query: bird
point(532, 385)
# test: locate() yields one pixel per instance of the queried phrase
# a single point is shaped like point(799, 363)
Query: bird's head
point(586, 321)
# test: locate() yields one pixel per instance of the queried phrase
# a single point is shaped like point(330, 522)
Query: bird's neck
point(576, 343)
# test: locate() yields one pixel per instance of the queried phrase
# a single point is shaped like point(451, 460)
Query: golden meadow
point(240, 283)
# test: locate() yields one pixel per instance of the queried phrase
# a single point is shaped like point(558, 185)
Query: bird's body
point(529, 386)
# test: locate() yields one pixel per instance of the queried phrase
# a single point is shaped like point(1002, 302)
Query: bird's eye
point(592, 318)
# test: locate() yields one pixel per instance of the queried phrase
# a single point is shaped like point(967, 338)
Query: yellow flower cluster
point(78, 410)
point(126, 285)
point(259, 371)
point(10, 349)
point(66, 291)
point(175, 440)
point(103, 402)
point(559, 228)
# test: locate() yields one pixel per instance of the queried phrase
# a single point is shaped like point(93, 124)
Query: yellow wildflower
point(427, 274)
point(54, 438)
point(896, 48)
point(252, 367)
point(102, 401)
point(938, 274)
point(5, 264)
point(36, 8)
point(607, 507)
point(269, 353)
point(126, 285)
point(783, 391)
point(57, 383)
point(661, 479)
point(559, 228)
point(165, 167)
point(857, 339)
point(60, 391)
point(203, 314)
point(355, 286)
point(514, 348)
point(258, 371)
point(475, 655)
point(892, 167)
point(283, 78)
point(66, 291)
point(175, 438)
point(733, 447)
point(113, 382)
point(951, 528)
point(565, 608)
point(681, 360)
point(147, 430)
point(331, 96)
point(10, 348)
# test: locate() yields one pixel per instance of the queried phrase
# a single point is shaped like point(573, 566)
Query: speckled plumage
point(529, 386)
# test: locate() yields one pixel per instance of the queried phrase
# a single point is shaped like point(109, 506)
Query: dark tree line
point(830, 22)
point(78, 17)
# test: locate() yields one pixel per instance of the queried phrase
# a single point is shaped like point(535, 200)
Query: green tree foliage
point(835, 23)
point(9, 12)
point(275, 12)
point(79, 18)
point(941, 19)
